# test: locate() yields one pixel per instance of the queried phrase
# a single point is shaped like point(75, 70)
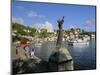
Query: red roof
point(23, 43)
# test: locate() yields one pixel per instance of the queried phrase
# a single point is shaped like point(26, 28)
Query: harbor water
point(84, 56)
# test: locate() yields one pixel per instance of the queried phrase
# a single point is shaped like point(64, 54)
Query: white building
point(26, 30)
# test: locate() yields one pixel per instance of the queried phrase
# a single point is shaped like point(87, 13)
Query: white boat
point(78, 42)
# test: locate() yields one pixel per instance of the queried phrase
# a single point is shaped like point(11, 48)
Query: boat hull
point(78, 43)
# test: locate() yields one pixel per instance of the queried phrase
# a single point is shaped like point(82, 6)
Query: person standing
point(32, 49)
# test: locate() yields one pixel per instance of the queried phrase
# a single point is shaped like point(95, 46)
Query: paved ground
point(19, 52)
point(26, 63)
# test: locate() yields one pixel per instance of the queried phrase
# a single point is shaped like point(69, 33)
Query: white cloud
point(46, 25)
point(34, 14)
point(18, 20)
point(30, 12)
point(89, 22)
point(20, 7)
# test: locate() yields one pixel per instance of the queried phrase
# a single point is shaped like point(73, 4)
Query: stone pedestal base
point(61, 60)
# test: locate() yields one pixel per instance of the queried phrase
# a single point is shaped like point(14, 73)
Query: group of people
point(30, 49)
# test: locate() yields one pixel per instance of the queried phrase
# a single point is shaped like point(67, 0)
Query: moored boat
point(78, 42)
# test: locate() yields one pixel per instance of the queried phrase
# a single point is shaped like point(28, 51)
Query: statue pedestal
point(61, 60)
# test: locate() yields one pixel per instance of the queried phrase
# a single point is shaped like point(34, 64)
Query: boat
point(78, 42)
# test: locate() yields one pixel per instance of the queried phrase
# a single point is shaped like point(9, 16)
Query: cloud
point(20, 7)
point(34, 14)
point(30, 13)
point(90, 22)
point(18, 20)
point(46, 25)
point(89, 25)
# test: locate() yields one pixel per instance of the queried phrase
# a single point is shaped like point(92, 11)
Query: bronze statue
point(60, 22)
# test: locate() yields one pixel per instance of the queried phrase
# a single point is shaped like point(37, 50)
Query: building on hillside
point(27, 30)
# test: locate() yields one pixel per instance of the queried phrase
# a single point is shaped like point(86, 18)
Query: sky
point(35, 14)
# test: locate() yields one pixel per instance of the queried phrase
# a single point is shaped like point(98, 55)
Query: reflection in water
point(83, 55)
